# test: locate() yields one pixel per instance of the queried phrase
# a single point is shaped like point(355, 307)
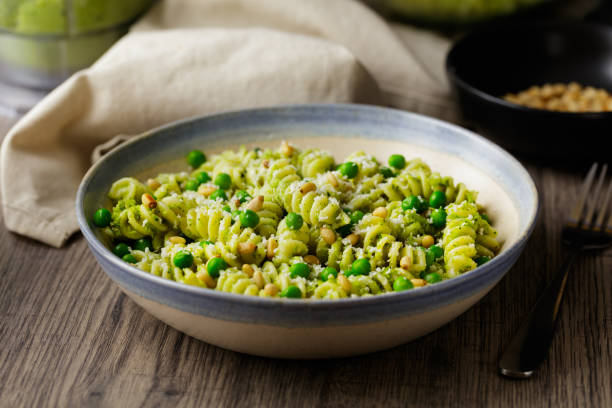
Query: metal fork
point(587, 228)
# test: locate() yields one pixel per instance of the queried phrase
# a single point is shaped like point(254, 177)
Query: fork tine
point(586, 185)
point(599, 224)
point(594, 198)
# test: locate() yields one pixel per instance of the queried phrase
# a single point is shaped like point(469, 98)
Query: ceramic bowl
point(289, 328)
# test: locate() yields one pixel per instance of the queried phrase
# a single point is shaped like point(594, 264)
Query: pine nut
point(380, 212)
point(259, 280)
point(286, 149)
point(256, 204)
point(311, 260)
point(246, 248)
point(418, 282)
point(153, 184)
point(207, 279)
point(565, 98)
point(206, 191)
point(331, 179)
point(148, 200)
point(271, 289)
point(248, 269)
point(177, 240)
point(272, 245)
point(328, 235)
point(427, 241)
point(353, 239)
point(308, 187)
point(406, 262)
point(344, 283)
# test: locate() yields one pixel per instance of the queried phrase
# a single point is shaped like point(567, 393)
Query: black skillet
point(493, 61)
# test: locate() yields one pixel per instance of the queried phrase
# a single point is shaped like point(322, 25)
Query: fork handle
point(530, 344)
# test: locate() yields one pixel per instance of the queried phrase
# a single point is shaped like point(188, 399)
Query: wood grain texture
point(70, 338)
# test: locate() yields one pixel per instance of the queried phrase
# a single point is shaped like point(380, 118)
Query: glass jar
point(43, 42)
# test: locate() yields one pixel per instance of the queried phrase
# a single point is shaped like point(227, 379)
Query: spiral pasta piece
point(459, 238)
point(312, 162)
point(372, 284)
point(367, 194)
point(236, 281)
point(316, 209)
point(291, 242)
point(269, 217)
point(329, 290)
point(230, 162)
point(486, 238)
point(169, 184)
point(281, 174)
point(126, 188)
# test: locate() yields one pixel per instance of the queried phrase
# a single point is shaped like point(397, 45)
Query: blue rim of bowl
point(425, 297)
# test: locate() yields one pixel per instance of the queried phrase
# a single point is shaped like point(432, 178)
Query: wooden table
point(69, 337)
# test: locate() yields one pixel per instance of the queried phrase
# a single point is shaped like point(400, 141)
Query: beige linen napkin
point(195, 57)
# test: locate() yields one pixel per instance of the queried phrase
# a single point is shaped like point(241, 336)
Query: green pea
point(482, 260)
point(291, 292)
point(436, 251)
point(242, 196)
point(398, 161)
point(345, 230)
point(249, 219)
point(227, 208)
point(183, 259)
point(218, 194)
point(437, 199)
point(215, 266)
point(348, 169)
point(386, 172)
point(143, 244)
point(414, 202)
point(202, 177)
point(192, 185)
point(327, 272)
point(360, 267)
point(438, 218)
point(129, 258)
point(294, 221)
point(402, 283)
point(299, 269)
point(223, 180)
point(432, 253)
point(429, 258)
point(121, 249)
point(102, 218)
point(356, 216)
point(196, 158)
point(433, 277)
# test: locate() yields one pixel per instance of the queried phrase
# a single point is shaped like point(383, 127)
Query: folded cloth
point(195, 57)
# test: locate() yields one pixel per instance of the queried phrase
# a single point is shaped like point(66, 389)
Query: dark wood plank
point(69, 337)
